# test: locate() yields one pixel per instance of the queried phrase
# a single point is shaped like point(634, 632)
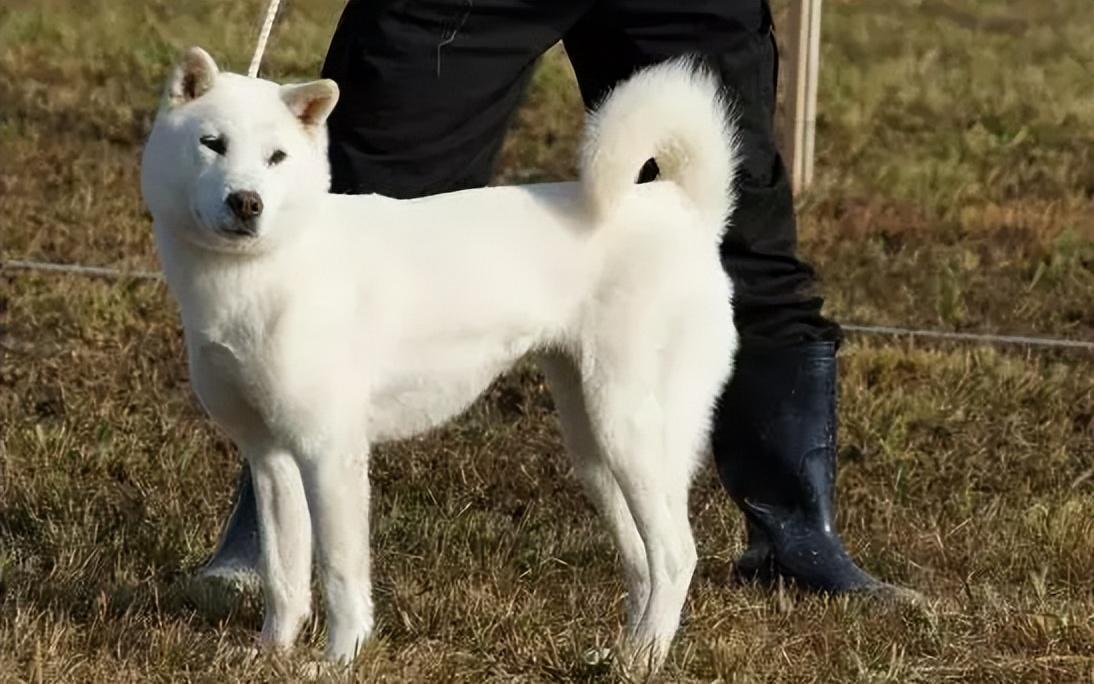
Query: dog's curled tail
point(675, 113)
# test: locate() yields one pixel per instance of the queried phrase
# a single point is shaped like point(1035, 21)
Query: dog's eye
point(277, 157)
point(216, 143)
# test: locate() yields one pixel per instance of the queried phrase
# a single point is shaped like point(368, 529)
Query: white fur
point(350, 320)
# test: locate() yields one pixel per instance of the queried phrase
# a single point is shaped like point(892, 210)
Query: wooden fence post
point(804, 60)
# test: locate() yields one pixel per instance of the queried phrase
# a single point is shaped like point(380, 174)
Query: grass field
point(955, 191)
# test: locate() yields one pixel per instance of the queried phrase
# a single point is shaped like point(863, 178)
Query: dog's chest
point(230, 372)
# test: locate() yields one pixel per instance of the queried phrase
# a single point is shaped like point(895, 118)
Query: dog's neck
point(214, 287)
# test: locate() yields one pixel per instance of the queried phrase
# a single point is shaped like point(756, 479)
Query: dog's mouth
point(224, 235)
point(239, 230)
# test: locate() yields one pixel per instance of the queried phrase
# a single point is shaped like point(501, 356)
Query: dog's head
point(230, 155)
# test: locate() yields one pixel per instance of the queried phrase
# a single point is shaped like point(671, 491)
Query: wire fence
point(1036, 342)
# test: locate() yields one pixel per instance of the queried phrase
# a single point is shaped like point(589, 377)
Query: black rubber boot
point(237, 549)
point(232, 570)
point(774, 443)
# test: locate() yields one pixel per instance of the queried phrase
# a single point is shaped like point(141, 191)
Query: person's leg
point(427, 90)
point(774, 432)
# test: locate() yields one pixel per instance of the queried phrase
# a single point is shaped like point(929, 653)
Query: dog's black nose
point(245, 204)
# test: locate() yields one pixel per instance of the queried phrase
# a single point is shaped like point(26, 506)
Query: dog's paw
point(639, 659)
point(596, 657)
point(242, 656)
point(314, 670)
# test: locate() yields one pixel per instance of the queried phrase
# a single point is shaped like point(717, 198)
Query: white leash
point(263, 38)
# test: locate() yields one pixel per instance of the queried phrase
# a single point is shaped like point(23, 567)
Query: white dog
point(319, 324)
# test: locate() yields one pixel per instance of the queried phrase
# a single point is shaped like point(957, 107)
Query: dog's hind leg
point(285, 540)
point(592, 470)
point(337, 488)
point(630, 421)
point(655, 410)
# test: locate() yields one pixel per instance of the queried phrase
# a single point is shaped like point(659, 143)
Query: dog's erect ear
point(311, 102)
point(192, 77)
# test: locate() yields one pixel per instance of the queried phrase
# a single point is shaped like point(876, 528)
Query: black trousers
point(429, 86)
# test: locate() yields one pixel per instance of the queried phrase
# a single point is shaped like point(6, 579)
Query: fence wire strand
point(861, 329)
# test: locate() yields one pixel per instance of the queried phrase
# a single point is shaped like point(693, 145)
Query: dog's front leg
point(337, 488)
point(285, 535)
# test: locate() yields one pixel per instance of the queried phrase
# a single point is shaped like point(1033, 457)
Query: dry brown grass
point(956, 190)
